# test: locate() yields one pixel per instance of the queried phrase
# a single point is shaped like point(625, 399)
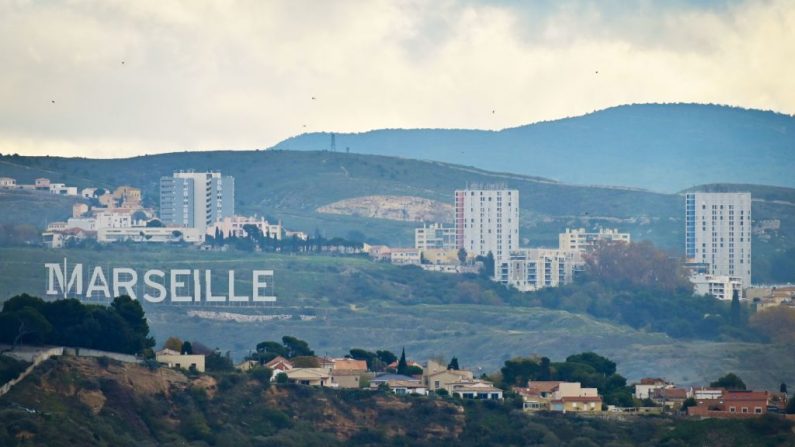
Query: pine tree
point(546, 370)
point(783, 388)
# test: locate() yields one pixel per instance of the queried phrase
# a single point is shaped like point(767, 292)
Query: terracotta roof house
point(309, 376)
point(475, 389)
point(280, 364)
point(733, 405)
point(399, 384)
point(539, 395)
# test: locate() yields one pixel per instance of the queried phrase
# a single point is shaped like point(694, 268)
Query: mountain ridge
point(707, 144)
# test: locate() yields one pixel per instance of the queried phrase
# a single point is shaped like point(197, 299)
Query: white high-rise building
point(487, 220)
point(718, 233)
point(196, 199)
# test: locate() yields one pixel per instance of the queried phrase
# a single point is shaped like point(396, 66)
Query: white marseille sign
point(176, 285)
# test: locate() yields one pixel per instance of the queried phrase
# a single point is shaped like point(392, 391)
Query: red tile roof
point(735, 396)
point(670, 393)
point(351, 365)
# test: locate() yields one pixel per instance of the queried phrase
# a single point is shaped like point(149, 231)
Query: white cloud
point(242, 74)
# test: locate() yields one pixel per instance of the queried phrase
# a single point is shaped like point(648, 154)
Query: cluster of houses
point(41, 184)
point(656, 395)
point(486, 223)
point(346, 373)
point(185, 216)
point(100, 216)
point(711, 401)
point(436, 249)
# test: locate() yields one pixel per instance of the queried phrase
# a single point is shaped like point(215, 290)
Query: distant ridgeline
point(662, 147)
point(177, 285)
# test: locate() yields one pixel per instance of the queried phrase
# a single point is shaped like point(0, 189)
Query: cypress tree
point(402, 365)
point(735, 309)
point(454, 364)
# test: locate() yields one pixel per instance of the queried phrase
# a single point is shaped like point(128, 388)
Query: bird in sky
point(492, 112)
point(53, 101)
point(122, 62)
point(313, 98)
point(597, 71)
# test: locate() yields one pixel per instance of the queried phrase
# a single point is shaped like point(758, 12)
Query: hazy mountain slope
point(663, 147)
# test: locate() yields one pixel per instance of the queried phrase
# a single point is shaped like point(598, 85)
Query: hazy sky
point(135, 77)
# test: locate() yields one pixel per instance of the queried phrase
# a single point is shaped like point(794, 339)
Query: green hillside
point(291, 186)
point(663, 147)
point(35, 208)
point(353, 302)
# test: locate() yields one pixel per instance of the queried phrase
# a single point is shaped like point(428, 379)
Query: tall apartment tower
point(718, 233)
point(196, 199)
point(487, 220)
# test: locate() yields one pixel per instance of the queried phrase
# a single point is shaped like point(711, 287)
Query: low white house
point(62, 189)
point(7, 182)
point(645, 388)
point(235, 226)
point(720, 286)
point(176, 360)
point(476, 389)
point(150, 234)
point(405, 256)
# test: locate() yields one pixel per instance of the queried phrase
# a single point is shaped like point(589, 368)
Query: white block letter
point(157, 286)
point(177, 284)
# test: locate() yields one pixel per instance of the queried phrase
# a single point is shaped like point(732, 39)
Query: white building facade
point(235, 226)
point(487, 220)
point(531, 269)
point(435, 236)
point(150, 234)
point(583, 241)
point(721, 287)
point(718, 233)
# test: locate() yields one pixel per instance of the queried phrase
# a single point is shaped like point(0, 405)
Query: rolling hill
point(294, 185)
point(662, 147)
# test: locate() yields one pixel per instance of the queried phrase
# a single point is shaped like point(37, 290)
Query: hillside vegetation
point(663, 147)
point(353, 302)
point(85, 401)
point(291, 186)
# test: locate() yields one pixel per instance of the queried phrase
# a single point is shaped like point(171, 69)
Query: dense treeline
point(120, 327)
point(256, 239)
point(640, 286)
